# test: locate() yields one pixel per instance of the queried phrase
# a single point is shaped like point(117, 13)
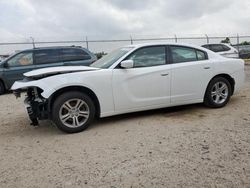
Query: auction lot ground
point(187, 146)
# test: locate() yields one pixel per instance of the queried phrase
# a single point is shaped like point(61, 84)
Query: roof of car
point(52, 47)
point(210, 53)
point(217, 44)
point(158, 43)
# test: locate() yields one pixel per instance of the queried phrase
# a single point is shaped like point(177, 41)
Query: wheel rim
point(74, 113)
point(219, 92)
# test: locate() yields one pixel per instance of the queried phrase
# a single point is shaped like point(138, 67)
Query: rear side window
point(72, 54)
point(206, 46)
point(217, 47)
point(47, 56)
point(182, 54)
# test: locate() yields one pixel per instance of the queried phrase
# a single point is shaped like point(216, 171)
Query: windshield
point(108, 60)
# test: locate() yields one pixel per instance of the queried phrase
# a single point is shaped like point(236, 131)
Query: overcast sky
point(109, 19)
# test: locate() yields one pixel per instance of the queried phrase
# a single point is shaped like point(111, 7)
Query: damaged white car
point(129, 79)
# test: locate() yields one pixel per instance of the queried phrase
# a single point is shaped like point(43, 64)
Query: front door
point(146, 85)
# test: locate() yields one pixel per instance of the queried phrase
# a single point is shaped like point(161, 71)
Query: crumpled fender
point(37, 83)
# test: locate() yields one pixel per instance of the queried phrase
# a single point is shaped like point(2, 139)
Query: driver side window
point(149, 56)
point(21, 59)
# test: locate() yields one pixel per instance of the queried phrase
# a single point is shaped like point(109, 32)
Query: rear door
point(16, 66)
point(47, 58)
point(191, 73)
point(75, 56)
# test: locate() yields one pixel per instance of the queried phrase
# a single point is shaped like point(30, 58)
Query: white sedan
point(132, 78)
point(223, 49)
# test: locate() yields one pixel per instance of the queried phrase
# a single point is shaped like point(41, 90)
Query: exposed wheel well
point(229, 78)
point(85, 90)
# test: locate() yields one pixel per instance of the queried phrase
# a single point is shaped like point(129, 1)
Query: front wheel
point(73, 112)
point(218, 93)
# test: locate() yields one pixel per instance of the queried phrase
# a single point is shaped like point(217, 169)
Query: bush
point(99, 55)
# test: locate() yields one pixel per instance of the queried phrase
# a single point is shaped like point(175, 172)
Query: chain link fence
point(106, 45)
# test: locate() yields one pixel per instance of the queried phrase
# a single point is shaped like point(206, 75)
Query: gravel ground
point(187, 146)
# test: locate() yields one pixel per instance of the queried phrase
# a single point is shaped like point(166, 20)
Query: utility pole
point(131, 39)
point(175, 38)
point(238, 41)
point(207, 38)
point(33, 41)
point(87, 42)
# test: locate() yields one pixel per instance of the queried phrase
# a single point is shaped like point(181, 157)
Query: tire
point(2, 88)
point(73, 112)
point(218, 93)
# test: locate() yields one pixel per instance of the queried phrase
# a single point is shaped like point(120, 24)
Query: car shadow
point(176, 112)
point(165, 112)
point(47, 128)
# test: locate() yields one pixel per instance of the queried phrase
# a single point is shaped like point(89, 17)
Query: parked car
point(223, 49)
point(12, 68)
point(132, 78)
point(244, 51)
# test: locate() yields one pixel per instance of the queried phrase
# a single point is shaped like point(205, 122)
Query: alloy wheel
point(219, 92)
point(74, 113)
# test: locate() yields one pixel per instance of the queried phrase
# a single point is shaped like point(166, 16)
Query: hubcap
point(74, 113)
point(219, 92)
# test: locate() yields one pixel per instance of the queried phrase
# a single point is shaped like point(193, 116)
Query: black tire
point(58, 108)
point(209, 100)
point(2, 88)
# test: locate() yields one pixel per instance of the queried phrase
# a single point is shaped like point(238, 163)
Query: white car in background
point(223, 49)
point(129, 79)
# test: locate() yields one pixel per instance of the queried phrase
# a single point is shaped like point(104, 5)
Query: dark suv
point(12, 68)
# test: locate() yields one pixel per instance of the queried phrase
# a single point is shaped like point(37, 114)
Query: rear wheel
point(2, 88)
point(218, 93)
point(73, 112)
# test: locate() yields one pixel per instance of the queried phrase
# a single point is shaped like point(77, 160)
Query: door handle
point(207, 67)
point(164, 74)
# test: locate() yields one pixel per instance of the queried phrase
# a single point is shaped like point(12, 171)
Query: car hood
point(45, 72)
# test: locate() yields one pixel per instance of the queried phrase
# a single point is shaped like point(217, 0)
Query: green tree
point(100, 54)
point(245, 43)
point(226, 40)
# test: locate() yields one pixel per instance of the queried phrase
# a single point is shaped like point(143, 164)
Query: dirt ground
point(187, 146)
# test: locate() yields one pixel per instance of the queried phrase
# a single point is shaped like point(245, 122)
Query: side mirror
point(127, 64)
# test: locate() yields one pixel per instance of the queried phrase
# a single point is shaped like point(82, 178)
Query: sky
point(50, 20)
